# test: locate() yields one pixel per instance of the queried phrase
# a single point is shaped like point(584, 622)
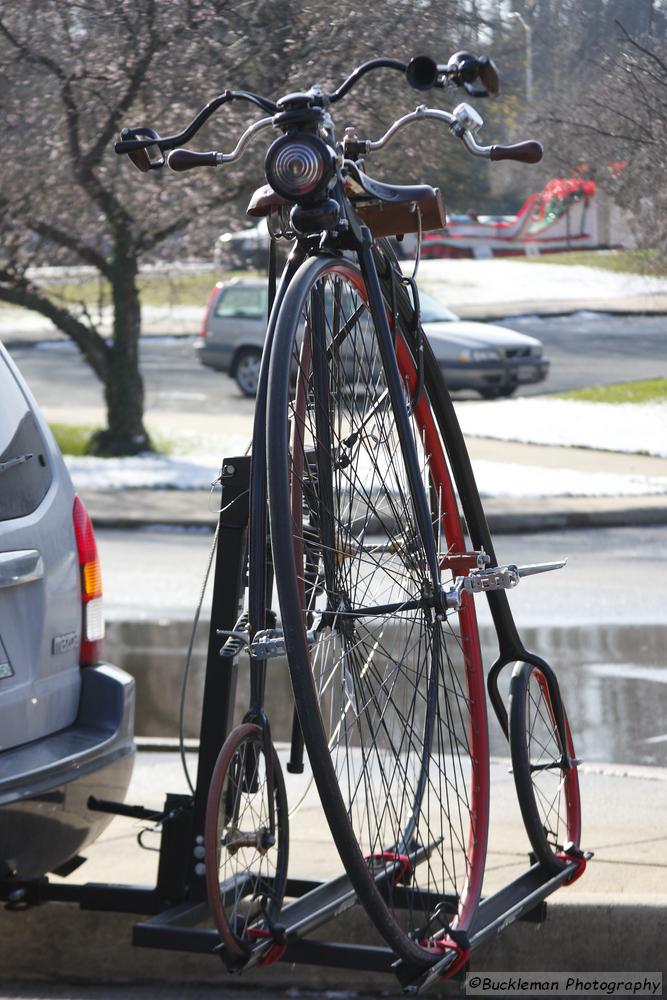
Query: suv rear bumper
point(44, 785)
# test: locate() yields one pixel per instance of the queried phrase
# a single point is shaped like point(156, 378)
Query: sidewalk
point(197, 508)
point(613, 918)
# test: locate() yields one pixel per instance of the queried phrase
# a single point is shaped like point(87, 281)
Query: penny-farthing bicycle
point(364, 511)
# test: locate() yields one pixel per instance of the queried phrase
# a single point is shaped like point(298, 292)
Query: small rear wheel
point(246, 843)
point(545, 771)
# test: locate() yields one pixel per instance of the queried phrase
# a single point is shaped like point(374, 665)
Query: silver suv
point(491, 359)
point(66, 717)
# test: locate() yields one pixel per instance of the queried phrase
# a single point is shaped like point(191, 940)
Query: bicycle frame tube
point(397, 396)
point(511, 648)
point(260, 581)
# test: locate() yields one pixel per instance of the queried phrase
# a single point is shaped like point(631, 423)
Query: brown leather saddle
point(387, 209)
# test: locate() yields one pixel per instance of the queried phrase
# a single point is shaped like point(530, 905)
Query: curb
point(501, 521)
point(46, 942)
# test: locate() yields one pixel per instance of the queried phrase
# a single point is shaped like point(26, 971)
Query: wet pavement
point(601, 622)
point(613, 679)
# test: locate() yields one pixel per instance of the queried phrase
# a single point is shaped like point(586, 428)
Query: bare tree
point(620, 130)
point(73, 73)
point(600, 97)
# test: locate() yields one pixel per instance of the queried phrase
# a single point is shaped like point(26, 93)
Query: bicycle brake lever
point(475, 91)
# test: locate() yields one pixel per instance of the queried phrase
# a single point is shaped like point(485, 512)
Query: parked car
point(494, 360)
point(66, 716)
point(246, 248)
point(233, 330)
point(491, 359)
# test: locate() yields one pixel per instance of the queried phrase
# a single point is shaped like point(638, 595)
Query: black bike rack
point(177, 905)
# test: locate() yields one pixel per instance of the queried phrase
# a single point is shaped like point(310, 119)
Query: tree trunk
point(125, 433)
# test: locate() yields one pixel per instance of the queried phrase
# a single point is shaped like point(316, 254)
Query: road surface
point(584, 349)
point(601, 622)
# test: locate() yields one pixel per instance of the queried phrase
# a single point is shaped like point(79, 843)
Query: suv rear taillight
point(92, 617)
point(211, 299)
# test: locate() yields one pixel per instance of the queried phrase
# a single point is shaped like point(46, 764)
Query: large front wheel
point(388, 685)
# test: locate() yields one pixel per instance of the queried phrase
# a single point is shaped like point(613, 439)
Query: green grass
point(154, 290)
point(623, 261)
point(648, 391)
point(73, 439)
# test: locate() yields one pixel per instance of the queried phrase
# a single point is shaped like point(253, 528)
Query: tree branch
point(152, 239)
point(587, 127)
point(71, 109)
point(136, 78)
point(83, 250)
point(642, 48)
point(90, 343)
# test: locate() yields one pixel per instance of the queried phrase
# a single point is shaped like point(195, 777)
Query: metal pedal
point(270, 642)
point(237, 638)
point(267, 644)
point(481, 580)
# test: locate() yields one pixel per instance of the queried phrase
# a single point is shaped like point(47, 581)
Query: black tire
point(246, 370)
point(498, 393)
point(391, 704)
point(546, 779)
point(238, 810)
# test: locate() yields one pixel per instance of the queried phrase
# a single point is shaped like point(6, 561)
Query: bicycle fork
point(400, 411)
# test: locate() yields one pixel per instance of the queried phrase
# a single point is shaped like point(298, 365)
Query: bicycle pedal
point(481, 581)
point(237, 637)
point(267, 644)
point(534, 568)
point(270, 643)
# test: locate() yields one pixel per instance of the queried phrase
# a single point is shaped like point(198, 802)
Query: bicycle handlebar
point(129, 143)
point(145, 146)
point(186, 159)
point(529, 151)
point(464, 123)
point(422, 73)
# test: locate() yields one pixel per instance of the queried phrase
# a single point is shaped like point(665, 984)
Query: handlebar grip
point(186, 159)
point(523, 152)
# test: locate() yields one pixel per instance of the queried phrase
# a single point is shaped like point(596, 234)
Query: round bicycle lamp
point(300, 167)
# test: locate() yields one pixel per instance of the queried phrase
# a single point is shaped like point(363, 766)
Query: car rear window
point(24, 480)
point(242, 303)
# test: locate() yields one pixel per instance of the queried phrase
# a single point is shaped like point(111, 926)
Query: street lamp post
point(529, 50)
